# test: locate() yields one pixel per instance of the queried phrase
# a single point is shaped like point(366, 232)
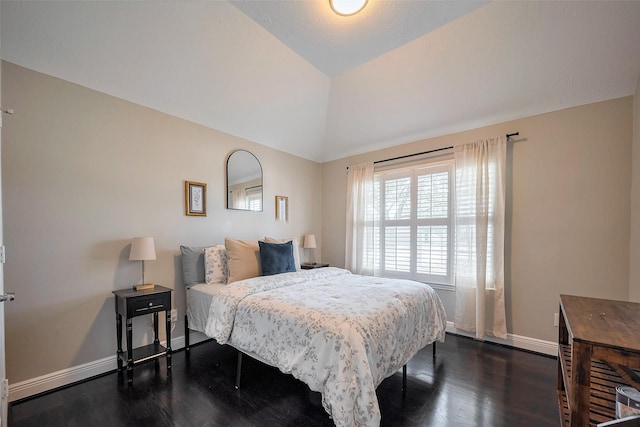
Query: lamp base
point(143, 287)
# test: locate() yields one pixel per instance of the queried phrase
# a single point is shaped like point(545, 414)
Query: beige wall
point(568, 208)
point(634, 252)
point(82, 174)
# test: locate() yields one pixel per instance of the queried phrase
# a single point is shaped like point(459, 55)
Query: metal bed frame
point(187, 348)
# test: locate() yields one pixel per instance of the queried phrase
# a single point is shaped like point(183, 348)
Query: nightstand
point(311, 266)
point(131, 303)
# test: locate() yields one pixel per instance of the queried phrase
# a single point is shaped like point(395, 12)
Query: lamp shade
point(309, 241)
point(142, 249)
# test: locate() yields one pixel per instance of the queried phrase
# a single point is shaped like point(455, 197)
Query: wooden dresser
point(599, 349)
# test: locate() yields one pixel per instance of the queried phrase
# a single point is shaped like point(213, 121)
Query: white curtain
point(236, 198)
point(479, 241)
point(359, 246)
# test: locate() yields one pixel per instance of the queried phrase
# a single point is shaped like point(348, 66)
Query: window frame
point(414, 171)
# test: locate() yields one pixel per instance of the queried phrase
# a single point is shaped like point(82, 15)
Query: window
point(254, 198)
point(414, 228)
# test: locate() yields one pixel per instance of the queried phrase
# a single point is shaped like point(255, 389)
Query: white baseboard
point(31, 387)
point(61, 378)
point(517, 341)
point(64, 377)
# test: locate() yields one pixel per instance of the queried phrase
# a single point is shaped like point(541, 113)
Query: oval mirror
point(244, 181)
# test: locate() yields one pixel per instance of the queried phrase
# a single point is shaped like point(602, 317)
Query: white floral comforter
point(342, 334)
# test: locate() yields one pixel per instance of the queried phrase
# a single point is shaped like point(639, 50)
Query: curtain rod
point(412, 155)
point(509, 135)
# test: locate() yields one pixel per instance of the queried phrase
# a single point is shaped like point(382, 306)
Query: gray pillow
point(193, 264)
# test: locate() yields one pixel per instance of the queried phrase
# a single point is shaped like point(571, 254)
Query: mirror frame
point(261, 181)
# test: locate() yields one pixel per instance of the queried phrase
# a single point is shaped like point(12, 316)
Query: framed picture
point(195, 198)
point(282, 208)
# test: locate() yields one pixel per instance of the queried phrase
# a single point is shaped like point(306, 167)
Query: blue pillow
point(276, 258)
point(192, 264)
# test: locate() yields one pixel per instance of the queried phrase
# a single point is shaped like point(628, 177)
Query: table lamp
point(309, 242)
point(142, 249)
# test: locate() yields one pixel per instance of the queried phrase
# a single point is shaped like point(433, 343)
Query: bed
point(339, 333)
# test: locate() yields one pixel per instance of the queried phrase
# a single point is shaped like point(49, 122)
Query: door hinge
point(4, 111)
point(5, 388)
point(2, 255)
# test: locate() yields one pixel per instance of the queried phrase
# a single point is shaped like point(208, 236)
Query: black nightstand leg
point(186, 334)
point(168, 314)
point(156, 340)
point(129, 350)
point(119, 339)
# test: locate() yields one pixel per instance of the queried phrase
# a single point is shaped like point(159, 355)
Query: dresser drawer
point(148, 304)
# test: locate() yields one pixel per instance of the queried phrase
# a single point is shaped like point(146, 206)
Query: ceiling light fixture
point(347, 7)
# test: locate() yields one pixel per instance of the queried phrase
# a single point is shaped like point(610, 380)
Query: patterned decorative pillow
point(296, 248)
point(243, 259)
point(216, 269)
point(276, 258)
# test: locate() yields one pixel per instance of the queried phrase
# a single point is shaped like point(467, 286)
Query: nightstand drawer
point(148, 304)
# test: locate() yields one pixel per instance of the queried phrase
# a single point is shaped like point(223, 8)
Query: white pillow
point(216, 269)
point(296, 248)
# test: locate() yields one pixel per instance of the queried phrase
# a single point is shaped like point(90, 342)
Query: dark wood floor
point(468, 384)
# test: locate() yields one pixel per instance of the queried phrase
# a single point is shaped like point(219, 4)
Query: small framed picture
point(195, 198)
point(282, 208)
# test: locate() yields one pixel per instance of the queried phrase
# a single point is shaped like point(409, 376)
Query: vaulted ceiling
point(296, 77)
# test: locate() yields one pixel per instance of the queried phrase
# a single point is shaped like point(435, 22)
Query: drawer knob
point(150, 304)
